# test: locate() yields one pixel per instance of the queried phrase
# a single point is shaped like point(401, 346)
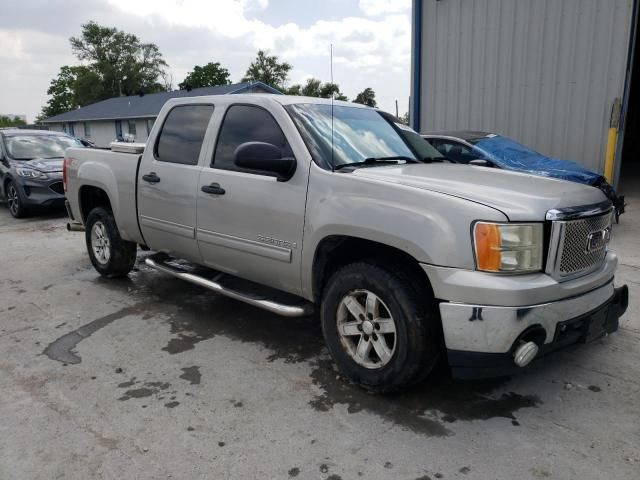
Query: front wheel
point(378, 327)
point(110, 255)
point(14, 201)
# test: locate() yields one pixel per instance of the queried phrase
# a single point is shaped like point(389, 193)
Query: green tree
point(294, 90)
point(11, 122)
point(366, 97)
point(210, 75)
point(315, 88)
point(114, 63)
point(268, 69)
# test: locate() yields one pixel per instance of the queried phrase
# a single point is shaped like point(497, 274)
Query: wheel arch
point(90, 197)
point(336, 251)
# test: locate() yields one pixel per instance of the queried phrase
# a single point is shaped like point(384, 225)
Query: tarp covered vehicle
point(502, 152)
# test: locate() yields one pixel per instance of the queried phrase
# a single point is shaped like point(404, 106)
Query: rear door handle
point(214, 189)
point(151, 177)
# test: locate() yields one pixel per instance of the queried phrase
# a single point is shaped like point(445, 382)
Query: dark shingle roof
point(148, 105)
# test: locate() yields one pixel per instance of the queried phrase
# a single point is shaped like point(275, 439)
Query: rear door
point(168, 181)
point(253, 226)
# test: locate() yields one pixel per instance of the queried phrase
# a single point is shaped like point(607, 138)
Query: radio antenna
point(332, 97)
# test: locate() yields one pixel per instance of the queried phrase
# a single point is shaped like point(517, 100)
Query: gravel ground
point(150, 377)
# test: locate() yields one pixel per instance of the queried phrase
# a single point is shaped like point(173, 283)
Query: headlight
point(514, 248)
point(31, 173)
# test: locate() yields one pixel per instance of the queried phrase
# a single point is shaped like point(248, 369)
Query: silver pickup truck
point(290, 203)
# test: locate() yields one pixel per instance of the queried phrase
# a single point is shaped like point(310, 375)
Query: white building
point(131, 118)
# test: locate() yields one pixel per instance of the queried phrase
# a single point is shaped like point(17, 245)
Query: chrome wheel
point(13, 200)
point(366, 328)
point(100, 243)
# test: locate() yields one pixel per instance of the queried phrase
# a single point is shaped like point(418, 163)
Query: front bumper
point(481, 339)
point(36, 193)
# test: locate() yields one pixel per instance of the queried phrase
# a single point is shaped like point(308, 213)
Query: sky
point(371, 41)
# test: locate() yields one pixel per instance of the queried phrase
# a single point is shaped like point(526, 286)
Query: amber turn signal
point(487, 242)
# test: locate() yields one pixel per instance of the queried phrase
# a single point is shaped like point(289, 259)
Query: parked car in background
point(31, 168)
point(492, 150)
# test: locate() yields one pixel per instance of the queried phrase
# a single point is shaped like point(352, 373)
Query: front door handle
point(214, 189)
point(151, 177)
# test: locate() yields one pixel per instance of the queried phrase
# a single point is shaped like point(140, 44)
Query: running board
point(160, 262)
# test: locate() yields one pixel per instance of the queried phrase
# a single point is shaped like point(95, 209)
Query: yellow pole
point(612, 138)
point(609, 157)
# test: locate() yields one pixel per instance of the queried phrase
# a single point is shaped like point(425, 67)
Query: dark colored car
point(31, 169)
point(492, 150)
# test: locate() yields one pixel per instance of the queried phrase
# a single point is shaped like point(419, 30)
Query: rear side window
point(245, 123)
point(182, 134)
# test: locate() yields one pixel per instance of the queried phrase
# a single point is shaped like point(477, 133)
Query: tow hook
point(525, 353)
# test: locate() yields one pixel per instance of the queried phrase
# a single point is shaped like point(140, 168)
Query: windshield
point(358, 134)
point(422, 149)
point(28, 147)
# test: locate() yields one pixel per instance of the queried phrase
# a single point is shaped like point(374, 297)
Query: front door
point(168, 182)
point(249, 224)
point(119, 130)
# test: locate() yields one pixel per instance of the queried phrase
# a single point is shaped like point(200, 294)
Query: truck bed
point(113, 172)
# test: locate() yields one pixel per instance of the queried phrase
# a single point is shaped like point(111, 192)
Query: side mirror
point(479, 162)
point(264, 157)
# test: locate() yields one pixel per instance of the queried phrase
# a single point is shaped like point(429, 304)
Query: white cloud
point(383, 7)
point(370, 50)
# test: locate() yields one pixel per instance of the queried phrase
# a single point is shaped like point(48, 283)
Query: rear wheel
point(110, 255)
point(378, 327)
point(14, 201)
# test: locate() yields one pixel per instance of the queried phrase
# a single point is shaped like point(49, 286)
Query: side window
point(245, 123)
point(182, 133)
point(453, 150)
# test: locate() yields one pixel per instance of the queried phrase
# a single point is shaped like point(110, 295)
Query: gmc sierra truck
point(292, 203)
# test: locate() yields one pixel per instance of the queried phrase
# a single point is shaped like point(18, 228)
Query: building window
point(132, 128)
point(150, 123)
point(87, 130)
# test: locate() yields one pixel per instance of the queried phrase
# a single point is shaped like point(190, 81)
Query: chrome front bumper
point(495, 329)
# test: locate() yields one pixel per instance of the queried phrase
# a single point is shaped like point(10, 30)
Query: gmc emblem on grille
point(597, 240)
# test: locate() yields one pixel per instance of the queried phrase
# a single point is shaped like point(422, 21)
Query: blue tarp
point(510, 155)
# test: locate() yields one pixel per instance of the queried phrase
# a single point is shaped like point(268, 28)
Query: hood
point(42, 164)
point(521, 197)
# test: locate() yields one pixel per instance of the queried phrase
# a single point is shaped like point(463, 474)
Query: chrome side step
point(160, 262)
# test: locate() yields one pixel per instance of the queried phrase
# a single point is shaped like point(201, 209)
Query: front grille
point(57, 187)
point(573, 255)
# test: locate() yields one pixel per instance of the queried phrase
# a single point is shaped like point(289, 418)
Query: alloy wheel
point(366, 328)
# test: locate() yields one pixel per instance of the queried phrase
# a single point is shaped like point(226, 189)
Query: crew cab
point(297, 205)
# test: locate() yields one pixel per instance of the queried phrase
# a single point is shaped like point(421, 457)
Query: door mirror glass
point(262, 157)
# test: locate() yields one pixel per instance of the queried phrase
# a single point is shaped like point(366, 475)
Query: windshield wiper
point(376, 161)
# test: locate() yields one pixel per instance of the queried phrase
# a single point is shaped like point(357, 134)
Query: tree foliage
point(366, 97)
point(315, 88)
point(210, 75)
point(11, 122)
point(268, 69)
point(113, 63)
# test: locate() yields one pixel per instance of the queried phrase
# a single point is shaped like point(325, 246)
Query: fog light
point(525, 353)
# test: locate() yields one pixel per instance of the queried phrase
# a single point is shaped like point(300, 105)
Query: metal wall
point(545, 72)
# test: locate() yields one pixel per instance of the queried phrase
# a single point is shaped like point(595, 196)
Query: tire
point(110, 255)
point(14, 201)
point(407, 354)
